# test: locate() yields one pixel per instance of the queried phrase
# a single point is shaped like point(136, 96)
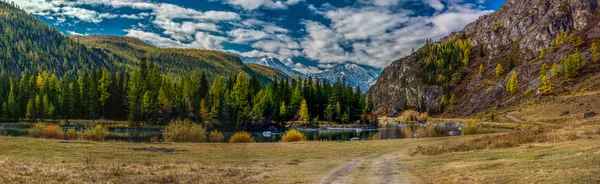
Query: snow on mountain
point(354, 75)
point(272, 62)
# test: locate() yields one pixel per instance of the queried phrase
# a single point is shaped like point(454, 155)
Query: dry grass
point(471, 127)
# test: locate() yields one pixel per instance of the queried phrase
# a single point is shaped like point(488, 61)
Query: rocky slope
point(512, 36)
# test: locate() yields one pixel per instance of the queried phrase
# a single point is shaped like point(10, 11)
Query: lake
point(384, 131)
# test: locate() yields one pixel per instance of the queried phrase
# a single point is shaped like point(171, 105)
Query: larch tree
point(499, 70)
point(513, 84)
point(546, 87)
point(304, 116)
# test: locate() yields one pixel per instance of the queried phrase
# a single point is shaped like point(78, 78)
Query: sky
point(307, 35)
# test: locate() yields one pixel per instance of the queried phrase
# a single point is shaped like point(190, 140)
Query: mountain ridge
point(512, 37)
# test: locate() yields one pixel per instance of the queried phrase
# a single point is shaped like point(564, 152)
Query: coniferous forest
point(48, 76)
point(145, 95)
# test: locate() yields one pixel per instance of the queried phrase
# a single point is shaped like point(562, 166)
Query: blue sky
point(307, 35)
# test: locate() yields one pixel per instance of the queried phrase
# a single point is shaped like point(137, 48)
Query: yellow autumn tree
point(546, 87)
point(499, 70)
point(481, 69)
point(304, 117)
point(513, 84)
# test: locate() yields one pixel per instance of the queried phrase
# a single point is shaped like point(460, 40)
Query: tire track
point(339, 175)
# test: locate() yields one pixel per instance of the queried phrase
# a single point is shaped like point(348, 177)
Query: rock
point(564, 113)
point(525, 28)
point(589, 114)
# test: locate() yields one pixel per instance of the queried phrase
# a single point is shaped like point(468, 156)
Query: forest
point(146, 96)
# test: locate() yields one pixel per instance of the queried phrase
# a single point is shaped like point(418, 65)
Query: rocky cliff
point(513, 37)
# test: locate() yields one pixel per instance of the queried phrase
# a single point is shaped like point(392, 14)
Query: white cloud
point(202, 40)
point(60, 9)
point(247, 35)
point(376, 36)
point(436, 4)
point(306, 69)
point(267, 4)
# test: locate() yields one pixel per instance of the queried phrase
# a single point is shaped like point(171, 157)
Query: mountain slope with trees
point(48, 76)
point(526, 50)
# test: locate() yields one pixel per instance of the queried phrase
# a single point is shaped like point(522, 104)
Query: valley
point(196, 95)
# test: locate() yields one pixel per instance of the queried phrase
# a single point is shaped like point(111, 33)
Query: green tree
point(572, 64)
point(30, 114)
point(13, 106)
point(544, 69)
point(105, 83)
point(555, 70)
point(542, 53)
point(452, 99)
point(499, 70)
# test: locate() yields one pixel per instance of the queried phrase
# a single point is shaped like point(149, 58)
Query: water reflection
point(387, 130)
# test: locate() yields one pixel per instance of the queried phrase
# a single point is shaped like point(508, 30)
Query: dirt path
point(342, 175)
point(374, 169)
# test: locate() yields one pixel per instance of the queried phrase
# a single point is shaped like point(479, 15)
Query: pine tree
point(304, 116)
point(13, 106)
point(443, 100)
point(481, 53)
point(30, 114)
point(105, 82)
point(499, 70)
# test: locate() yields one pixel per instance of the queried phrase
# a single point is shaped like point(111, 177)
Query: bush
point(411, 116)
point(241, 137)
point(42, 130)
point(470, 127)
point(184, 131)
point(216, 136)
point(71, 134)
point(98, 133)
point(293, 136)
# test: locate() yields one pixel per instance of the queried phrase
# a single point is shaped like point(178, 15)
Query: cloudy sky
point(307, 35)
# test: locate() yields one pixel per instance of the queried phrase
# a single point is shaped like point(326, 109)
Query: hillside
point(177, 62)
point(438, 77)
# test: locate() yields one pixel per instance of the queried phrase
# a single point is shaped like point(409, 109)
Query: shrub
point(216, 136)
point(470, 127)
point(42, 130)
point(184, 131)
point(376, 136)
point(293, 136)
point(71, 134)
point(241, 137)
point(98, 133)
point(410, 115)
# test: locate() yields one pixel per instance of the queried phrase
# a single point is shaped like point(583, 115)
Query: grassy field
point(567, 151)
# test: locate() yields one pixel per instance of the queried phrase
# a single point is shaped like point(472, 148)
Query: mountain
point(177, 62)
point(355, 75)
point(521, 38)
point(272, 62)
